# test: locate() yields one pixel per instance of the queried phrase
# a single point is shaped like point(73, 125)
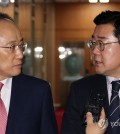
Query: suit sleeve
point(72, 118)
point(48, 120)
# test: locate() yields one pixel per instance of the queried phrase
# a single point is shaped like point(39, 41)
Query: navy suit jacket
point(31, 108)
point(79, 94)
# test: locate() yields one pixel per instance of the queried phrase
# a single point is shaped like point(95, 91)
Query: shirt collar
point(110, 79)
point(7, 82)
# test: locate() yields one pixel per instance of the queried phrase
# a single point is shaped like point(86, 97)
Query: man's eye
point(12, 47)
point(100, 42)
point(21, 45)
point(93, 43)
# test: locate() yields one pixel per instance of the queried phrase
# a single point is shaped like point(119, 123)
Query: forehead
point(103, 30)
point(9, 31)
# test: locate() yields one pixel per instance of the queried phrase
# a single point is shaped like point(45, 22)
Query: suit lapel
point(14, 108)
point(100, 87)
point(103, 85)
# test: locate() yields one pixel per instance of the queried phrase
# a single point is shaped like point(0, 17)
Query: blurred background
point(57, 31)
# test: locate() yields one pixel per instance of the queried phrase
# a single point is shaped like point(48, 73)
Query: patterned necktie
point(3, 115)
point(115, 107)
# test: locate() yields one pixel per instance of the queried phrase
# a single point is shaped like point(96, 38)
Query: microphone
point(94, 105)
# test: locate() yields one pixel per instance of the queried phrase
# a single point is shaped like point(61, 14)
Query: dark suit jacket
point(79, 95)
point(31, 107)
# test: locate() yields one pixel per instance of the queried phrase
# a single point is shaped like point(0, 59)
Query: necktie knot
point(115, 86)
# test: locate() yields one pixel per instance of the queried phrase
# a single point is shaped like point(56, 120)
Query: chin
point(15, 73)
point(98, 71)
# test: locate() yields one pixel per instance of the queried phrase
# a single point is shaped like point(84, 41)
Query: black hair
point(109, 17)
point(4, 16)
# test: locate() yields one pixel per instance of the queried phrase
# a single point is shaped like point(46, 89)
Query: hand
point(98, 127)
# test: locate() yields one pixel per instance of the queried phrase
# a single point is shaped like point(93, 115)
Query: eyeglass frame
point(12, 48)
point(101, 47)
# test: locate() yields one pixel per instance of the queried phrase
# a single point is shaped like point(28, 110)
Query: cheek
point(91, 56)
point(111, 56)
point(6, 61)
point(5, 65)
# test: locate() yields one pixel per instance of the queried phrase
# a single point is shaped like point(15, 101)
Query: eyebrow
point(100, 37)
point(14, 41)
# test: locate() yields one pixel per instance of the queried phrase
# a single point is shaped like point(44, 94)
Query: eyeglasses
point(22, 47)
point(100, 44)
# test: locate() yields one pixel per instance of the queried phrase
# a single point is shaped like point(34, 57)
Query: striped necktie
point(115, 107)
point(3, 115)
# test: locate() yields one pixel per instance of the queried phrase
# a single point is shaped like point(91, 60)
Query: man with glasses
point(94, 94)
point(26, 105)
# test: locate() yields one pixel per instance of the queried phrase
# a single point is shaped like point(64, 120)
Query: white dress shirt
point(109, 86)
point(6, 92)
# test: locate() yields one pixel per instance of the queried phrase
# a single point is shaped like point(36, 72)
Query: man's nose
point(19, 53)
point(96, 50)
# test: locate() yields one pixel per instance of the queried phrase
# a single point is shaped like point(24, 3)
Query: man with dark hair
point(90, 94)
point(26, 105)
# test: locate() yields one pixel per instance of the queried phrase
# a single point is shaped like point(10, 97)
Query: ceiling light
point(104, 1)
point(93, 1)
point(12, 1)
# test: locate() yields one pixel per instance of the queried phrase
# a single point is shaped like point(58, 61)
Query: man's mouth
point(96, 62)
